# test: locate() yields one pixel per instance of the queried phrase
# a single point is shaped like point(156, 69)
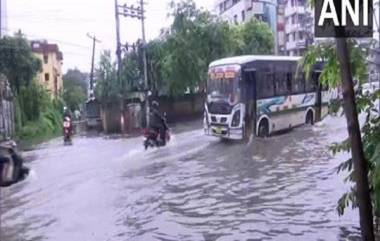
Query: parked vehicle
point(93, 120)
point(260, 95)
point(12, 169)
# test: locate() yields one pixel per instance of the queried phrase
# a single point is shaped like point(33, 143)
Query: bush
point(38, 117)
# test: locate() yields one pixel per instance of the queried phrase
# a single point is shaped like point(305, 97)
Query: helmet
point(155, 105)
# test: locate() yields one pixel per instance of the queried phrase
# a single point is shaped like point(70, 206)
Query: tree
point(257, 38)
point(74, 88)
point(197, 37)
point(107, 87)
point(76, 77)
point(17, 61)
point(340, 67)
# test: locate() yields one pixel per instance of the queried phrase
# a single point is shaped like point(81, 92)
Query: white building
point(299, 27)
point(3, 17)
point(241, 11)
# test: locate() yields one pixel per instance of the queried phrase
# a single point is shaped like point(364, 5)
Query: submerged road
point(197, 188)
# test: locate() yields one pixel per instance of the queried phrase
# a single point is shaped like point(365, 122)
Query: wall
point(182, 108)
point(111, 117)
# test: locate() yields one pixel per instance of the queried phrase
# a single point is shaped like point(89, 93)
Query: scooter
point(67, 133)
point(12, 169)
point(151, 138)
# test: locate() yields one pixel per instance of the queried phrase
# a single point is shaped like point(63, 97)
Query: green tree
point(17, 61)
point(107, 87)
point(257, 38)
point(74, 88)
point(343, 62)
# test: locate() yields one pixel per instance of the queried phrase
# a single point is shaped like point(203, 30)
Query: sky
point(67, 22)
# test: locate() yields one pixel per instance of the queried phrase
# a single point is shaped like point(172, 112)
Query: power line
point(49, 39)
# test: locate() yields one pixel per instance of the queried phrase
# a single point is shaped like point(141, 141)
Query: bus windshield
point(224, 88)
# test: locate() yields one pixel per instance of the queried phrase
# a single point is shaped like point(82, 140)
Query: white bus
point(260, 95)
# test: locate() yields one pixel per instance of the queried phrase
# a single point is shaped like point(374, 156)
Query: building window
point(243, 16)
point(47, 77)
point(236, 19)
point(221, 8)
point(46, 58)
point(287, 38)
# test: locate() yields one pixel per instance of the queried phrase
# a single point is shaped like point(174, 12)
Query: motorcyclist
point(157, 122)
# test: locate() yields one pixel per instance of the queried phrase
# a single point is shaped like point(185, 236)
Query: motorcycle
point(152, 137)
point(12, 169)
point(67, 132)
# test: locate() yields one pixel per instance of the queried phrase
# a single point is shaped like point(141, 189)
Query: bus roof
point(250, 58)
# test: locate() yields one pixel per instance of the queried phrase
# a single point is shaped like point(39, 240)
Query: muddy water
point(197, 188)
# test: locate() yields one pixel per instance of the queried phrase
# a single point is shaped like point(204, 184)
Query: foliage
point(37, 115)
point(326, 52)
point(75, 88)
point(17, 61)
point(108, 89)
point(178, 60)
point(371, 147)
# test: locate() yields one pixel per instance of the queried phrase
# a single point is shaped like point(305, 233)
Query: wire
point(49, 39)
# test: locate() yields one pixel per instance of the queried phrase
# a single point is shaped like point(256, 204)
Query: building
point(3, 17)
point(281, 37)
point(51, 59)
point(241, 11)
point(299, 27)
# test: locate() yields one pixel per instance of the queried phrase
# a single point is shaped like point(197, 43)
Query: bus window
point(289, 82)
point(265, 86)
point(311, 84)
point(281, 84)
point(298, 85)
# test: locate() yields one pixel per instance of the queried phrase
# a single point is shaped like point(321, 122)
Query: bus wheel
point(309, 118)
point(264, 128)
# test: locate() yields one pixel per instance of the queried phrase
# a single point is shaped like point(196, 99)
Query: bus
point(260, 95)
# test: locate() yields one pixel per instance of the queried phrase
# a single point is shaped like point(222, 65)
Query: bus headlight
point(236, 119)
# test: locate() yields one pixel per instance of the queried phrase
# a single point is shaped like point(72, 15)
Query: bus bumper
point(224, 132)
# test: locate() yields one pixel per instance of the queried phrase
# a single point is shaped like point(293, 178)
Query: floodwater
point(197, 188)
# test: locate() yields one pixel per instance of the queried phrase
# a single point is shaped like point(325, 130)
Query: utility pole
point(145, 62)
point(118, 48)
point(134, 12)
point(94, 41)
point(1, 19)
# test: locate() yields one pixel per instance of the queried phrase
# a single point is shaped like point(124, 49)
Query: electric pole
point(94, 41)
point(145, 62)
point(118, 48)
point(133, 12)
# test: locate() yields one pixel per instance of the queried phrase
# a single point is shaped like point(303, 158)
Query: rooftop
point(249, 58)
point(44, 47)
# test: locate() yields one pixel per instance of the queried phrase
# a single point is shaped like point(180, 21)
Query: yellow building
point(52, 60)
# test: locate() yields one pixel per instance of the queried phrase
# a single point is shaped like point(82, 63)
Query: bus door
point(249, 82)
point(318, 101)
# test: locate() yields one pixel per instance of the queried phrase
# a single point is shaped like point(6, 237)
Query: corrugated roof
point(249, 58)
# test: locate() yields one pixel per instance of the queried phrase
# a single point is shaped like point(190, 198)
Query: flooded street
point(197, 188)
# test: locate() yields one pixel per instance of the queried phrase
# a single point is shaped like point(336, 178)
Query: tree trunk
point(360, 164)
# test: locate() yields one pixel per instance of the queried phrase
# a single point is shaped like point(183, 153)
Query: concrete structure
point(51, 59)
point(241, 11)
point(3, 17)
point(299, 27)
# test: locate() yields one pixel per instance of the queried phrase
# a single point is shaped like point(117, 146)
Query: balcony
point(291, 28)
point(298, 44)
point(289, 11)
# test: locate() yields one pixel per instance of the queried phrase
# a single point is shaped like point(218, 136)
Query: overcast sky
point(67, 22)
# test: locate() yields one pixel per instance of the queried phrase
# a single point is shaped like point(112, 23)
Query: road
point(197, 188)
